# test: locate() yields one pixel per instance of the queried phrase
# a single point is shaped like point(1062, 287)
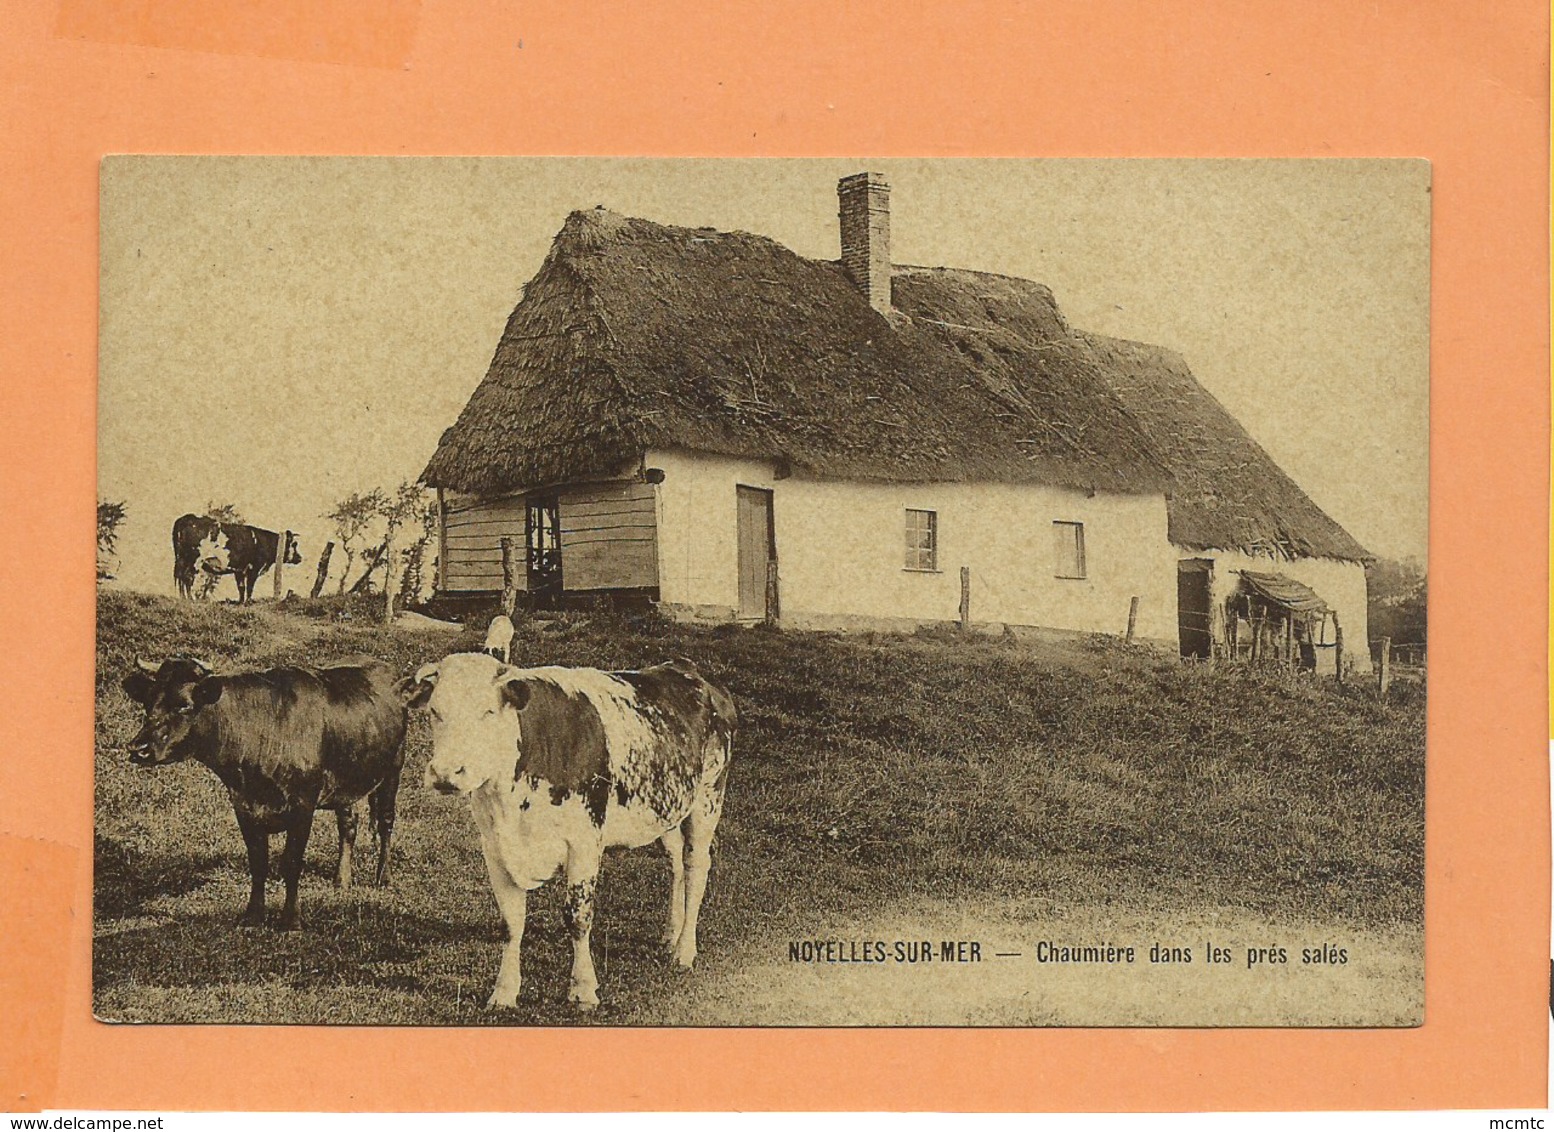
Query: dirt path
point(1380, 984)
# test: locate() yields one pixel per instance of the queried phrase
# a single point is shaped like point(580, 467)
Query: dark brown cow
point(285, 742)
point(202, 543)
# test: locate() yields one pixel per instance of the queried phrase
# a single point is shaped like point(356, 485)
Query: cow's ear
point(416, 690)
point(515, 692)
point(207, 691)
point(139, 687)
point(415, 693)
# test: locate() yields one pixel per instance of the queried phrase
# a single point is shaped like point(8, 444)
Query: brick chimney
point(864, 200)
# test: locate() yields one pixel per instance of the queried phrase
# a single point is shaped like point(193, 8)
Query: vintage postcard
point(762, 593)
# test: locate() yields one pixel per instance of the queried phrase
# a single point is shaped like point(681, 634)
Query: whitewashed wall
point(1340, 584)
point(841, 549)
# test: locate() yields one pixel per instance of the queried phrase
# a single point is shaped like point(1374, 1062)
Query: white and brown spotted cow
point(560, 764)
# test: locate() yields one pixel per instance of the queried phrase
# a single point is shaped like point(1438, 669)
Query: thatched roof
point(1283, 591)
point(1227, 492)
point(635, 335)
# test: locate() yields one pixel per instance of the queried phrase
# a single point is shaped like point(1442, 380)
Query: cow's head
point(173, 694)
point(293, 553)
point(214, 553)
point(473, 701)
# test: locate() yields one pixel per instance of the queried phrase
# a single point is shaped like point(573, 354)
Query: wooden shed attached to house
point(716, 424)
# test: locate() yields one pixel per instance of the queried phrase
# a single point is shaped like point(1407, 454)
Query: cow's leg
point(514, 903)
point(258, 844)
point(674, 845)
point(384, 802)
point(346, 820)
point(700, 827)
point(578, 914)
point(297, 831)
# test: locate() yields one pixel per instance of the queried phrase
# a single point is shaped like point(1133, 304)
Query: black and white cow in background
point(202, 543)
point(560, 764)
point(285, 742)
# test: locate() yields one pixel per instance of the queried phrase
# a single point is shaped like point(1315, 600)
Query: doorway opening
point(544, 552)
point(1194, 629)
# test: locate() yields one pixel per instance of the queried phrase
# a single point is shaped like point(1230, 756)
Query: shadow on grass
point(392, 966)
point(350, 942)
point(126, 879)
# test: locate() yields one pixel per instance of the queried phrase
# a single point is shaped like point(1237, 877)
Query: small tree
point(109, 517)
point(223, 512)
point(415, 556)
point(352, 517)
point(1398, 600)
point(405, 508)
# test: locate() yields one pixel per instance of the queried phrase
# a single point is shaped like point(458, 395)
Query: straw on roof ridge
point(1229, 493)
point(636, 335)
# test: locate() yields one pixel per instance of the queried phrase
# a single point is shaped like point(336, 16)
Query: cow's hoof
point(685, 960)
point(585, 1000)
point(499, 1001)
point(250, 919)
point(292, 923)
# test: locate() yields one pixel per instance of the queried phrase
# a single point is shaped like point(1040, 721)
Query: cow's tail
point(725, 717)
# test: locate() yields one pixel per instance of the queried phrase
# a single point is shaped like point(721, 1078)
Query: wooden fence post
point(323, 568)
point(965, 597)
point(1289, 644)
point(1384, 672)
point(1338, 648)
point(280, 566)
point(510, 566)
point(390, 578)
point(1133, 617)
point(772, 593)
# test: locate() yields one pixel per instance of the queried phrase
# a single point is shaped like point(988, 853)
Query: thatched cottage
point(716, 424)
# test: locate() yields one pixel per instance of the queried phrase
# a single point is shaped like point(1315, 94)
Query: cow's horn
point(427, 673)
point(147, 667)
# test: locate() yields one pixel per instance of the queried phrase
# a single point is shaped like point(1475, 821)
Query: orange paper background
point(1456, 81)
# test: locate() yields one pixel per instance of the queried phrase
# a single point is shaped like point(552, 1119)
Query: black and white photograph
point(702, 593)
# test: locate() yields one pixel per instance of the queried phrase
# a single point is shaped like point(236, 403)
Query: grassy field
point(1003, 789)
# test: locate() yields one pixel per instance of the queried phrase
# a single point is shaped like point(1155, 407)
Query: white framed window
point(1068, 549)
point(922, 540)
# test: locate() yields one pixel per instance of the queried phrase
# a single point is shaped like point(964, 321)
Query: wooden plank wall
point(472, 538)
point(608, 539)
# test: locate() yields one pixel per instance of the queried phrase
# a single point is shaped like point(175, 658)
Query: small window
point(922, 540)
point(1068, 548)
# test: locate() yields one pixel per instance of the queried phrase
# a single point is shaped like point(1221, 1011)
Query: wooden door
point(1193, 607)
point(756, 550)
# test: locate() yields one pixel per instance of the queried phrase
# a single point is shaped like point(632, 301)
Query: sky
point(280, 332)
